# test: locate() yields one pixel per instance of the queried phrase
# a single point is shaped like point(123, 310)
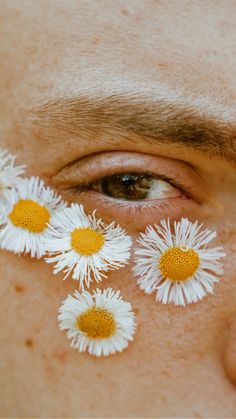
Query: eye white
point(161, 189)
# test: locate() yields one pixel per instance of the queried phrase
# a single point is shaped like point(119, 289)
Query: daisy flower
point(9, 173)
point(84, 246)
point(177, 265)
point(101, 324)
point(29, 208)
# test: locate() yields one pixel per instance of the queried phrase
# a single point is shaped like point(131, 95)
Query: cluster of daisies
point(174, 261)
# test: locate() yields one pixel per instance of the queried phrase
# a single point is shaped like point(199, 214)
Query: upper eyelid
point(84, 163)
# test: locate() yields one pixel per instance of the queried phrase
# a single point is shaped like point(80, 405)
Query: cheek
point(228, 239)
point(229, 354)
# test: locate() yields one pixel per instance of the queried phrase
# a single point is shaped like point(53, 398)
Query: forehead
point(181, 47)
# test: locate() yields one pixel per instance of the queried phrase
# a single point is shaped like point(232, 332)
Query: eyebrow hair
point(156, 121)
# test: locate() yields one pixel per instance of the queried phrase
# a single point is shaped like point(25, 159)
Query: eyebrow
point(154, 120)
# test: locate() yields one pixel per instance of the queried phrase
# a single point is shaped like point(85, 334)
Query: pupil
point(128, 180)
point(127, 186)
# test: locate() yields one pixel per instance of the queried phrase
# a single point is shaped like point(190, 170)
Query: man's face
point(92, 89)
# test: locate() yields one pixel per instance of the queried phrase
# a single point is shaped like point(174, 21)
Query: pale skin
point(183, 360)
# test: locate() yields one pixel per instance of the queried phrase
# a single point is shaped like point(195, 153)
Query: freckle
point(29, 343)
point(51, 373)
point(136, 310)
point(19, 288)
point(163, 66)
point(139, 17)
point(197, 415)
point(96, 41)
point(124, 12)
point(61, 355)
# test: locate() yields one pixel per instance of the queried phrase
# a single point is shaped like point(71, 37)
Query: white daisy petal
point(176, 263)
point(27, 212)
point(85, 246)
point(9, 173)
point(101, 323)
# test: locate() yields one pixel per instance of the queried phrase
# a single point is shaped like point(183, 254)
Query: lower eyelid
point(135, 215)
point(135, 204)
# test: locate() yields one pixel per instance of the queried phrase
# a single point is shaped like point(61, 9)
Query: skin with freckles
point(182, 362)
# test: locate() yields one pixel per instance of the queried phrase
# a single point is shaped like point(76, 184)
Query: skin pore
point(81, 86)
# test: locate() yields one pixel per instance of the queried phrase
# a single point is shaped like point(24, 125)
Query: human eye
point(134, 187)
point(126, 185)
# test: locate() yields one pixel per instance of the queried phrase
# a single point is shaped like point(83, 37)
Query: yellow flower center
point(179, 263)
point(30, 215)
point(97, 323)
point(86, 241)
